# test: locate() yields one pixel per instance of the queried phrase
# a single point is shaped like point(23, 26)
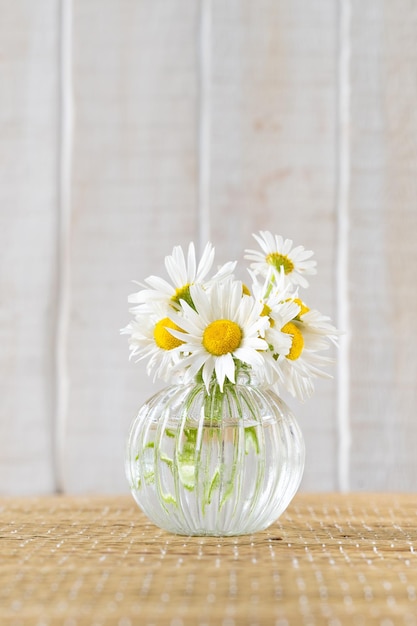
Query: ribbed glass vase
point(218, 463)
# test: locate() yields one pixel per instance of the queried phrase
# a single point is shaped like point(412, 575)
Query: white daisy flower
point(183, 273)
point(225, 327)
point(150, 338)
point(297, 375)
point(273, 286)
point(318, 325)
point(278, 308)
point(212, 326)
point(279, 254)
point(296, 369)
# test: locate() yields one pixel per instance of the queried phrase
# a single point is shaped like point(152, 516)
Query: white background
point(130, 126)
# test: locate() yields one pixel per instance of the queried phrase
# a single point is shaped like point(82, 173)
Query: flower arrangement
point(222, 454)
point(213, 327)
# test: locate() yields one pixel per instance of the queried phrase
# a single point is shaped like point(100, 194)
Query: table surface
point(331, 559)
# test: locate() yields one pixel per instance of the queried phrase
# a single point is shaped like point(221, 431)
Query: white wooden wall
point(129, 126)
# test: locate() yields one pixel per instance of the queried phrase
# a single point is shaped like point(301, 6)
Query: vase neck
point(244, 376)
point(247, 377)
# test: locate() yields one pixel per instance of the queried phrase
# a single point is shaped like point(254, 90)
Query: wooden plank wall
point(383, 249)
point(29, 151)
point(130, 127)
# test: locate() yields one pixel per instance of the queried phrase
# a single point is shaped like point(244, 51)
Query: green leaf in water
point(187, 459)
point(215, 484)
point(169, 499)
point(149, 478)
point(251, 439)
point(167, 460)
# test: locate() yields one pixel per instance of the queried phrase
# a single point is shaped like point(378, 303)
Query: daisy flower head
point(318, 326)
point(296, 373)
point(310, 333)
point(277, 308)
point(278, 253)
point(183, 273)
point(212, 326)
point(224, 329)
point(150, 338)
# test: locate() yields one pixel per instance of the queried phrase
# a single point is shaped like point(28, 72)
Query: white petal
point(176, 267)
point(250, 356)
point(224, 366)
point(159, 284)
point(191, 264)
point(196, 364)
point(208, 368)
point(205, 263)
point(225, 270)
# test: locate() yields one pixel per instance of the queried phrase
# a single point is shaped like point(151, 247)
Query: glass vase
point(214, 463)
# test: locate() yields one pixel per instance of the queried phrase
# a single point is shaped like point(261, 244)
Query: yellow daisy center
point(245, 290)
point(303, 307)
point(183, 293)
point(278, 260)
point(265, 313)
point(163, 337)
point(266, 310)
point(221, 337)
point(297, 341)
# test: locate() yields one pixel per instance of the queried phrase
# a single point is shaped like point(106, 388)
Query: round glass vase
point(214, 463)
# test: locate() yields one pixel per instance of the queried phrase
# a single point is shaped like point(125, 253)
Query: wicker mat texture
point(331, 560)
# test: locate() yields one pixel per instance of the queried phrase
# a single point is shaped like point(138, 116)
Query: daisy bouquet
point(221, 453)
point(211, 327)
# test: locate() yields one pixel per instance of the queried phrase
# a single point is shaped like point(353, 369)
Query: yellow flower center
point(221, 337)
point(303, 307)
point(245, 290)
point(297, 340)
point(265, 313)
point(163, 337)
point(278, 260)
point(183, 293)
point(266, 310)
